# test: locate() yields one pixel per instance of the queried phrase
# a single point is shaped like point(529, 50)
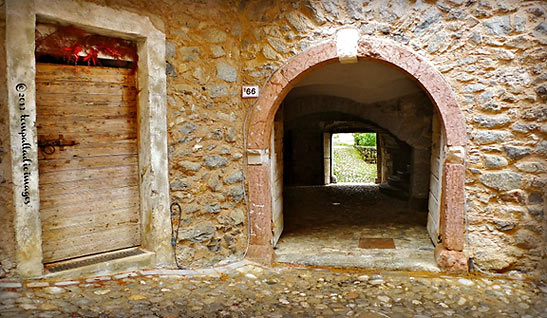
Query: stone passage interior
point(324, 226)
point(317, 221)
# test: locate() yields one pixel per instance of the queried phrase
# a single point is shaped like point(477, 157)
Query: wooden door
point(88, 163)
point(277, 177)
point(435, 181)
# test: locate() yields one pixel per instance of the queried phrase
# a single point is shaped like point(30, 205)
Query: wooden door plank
point(90, 126)
point(58, 165)
point(83, 186)
point(99, 173)
point(89, 151)
point(84, 113)
point(92, 244)
point(69, 200)
point(49, 72)
point(58, 71)
point(93, 88)
point(80, 207)
point(100, 233)
point(52, 100)
point(82, 223)
point(92, 138)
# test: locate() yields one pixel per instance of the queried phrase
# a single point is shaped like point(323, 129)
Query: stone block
point(216, 91)
point(201, 232)
point(453, 210)
point(355, 9)
point(494, 162)
point(236, 193)
point(517, 196)
point(215, 35)
point(492, 121)
point(237, 216)
point(37, 284)
point(483, 137)
point(260, 253)
point(10, 284)
point(498, 25)
point(188, 128)
point(451, 261)
point(217, 51)
point(502, 180)
point(190, 53)
point(531, 167)
point(346, 45)
point(331, 6)
point(189, 165)
point(541, 148)
point(455, 154)
point(504, 225)
point(535, 198)
point(260, 206)
point(233, 177)
point(516, 153)
point(298, 21)
point(215, 161)
point(226, 72)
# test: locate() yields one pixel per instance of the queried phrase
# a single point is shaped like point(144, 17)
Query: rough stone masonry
point(492, 52)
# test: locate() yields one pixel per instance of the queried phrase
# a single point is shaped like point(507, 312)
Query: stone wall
point(205, 125)
point(7, 235)
point(368, 153)
point(407, 118)
point(492, 52)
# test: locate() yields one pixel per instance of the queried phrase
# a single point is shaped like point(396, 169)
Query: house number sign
point(249, 91)
point(25, 142)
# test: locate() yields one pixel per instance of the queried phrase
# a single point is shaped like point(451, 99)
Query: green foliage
point(365, 139)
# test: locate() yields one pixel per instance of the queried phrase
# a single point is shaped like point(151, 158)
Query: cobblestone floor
point(323, 225)
point(246, 289)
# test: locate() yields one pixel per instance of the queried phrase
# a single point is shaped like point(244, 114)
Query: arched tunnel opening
point(382, 224)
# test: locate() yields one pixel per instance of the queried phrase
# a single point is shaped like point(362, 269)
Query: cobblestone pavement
point(245, 289)
point(349, 166)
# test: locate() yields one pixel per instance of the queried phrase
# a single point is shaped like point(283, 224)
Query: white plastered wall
point(21, 16)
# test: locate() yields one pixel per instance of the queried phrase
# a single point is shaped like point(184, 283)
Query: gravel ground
point(349, 166)
point(246, 289)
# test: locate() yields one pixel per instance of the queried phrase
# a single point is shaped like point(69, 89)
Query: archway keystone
point(450, 254)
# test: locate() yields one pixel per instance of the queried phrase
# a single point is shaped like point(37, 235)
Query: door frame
point(450, 254)
point(21, 19)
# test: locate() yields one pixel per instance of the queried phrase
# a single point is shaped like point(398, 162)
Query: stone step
point(403, 175)
point(397, 182)
point(392, 191)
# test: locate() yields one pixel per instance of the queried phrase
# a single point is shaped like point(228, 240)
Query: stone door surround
point(21, 19)
point(450, 254)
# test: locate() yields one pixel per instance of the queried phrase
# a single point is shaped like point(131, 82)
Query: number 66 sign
point(249, 91)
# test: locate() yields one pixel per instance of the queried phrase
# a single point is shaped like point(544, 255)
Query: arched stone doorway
point(450, 253)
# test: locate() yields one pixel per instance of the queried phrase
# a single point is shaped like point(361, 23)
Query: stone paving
point(246, 289)
point(323, 225)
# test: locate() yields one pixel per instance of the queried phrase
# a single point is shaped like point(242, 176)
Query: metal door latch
point(48, 145)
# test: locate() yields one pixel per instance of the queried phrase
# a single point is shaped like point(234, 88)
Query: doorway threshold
point(374, 260)
point(100, 264)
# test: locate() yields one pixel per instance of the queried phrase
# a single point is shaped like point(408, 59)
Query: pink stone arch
point(450, 254)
